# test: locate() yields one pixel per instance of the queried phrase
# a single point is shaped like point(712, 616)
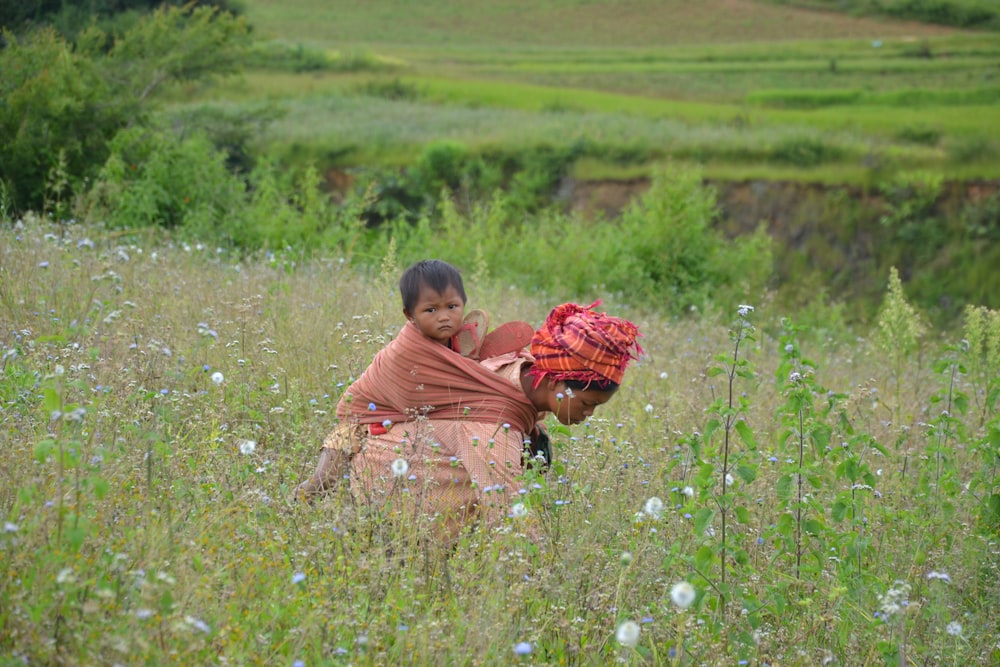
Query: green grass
point(511, 26)
point(139, 527)
point(703, 80)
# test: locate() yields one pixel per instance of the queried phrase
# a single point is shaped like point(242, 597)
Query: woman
point(451, 432)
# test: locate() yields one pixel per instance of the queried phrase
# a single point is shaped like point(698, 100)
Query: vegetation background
point(204, 214)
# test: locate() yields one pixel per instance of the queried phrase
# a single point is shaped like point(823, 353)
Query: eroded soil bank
point(842, 240)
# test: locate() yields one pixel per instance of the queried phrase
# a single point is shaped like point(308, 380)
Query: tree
point(60, 104)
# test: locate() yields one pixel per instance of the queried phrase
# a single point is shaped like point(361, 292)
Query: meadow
point(721, 82)
point(830, 495)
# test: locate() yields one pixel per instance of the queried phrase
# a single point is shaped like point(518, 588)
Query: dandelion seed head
point(399, 467)
point(628, 634)
point(653, 507)
point(954, 629)
point(682, 594)
point(218, 378)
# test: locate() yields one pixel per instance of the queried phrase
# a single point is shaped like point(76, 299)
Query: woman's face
point(572, 406)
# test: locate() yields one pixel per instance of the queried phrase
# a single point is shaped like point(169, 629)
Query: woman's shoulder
point(509, 365)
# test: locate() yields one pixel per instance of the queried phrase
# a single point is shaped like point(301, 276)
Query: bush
point(666, 247)
point(58, 109)
point(63, 103)
point(152, 178)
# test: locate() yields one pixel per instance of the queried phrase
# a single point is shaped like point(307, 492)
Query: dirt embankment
point(785, 208)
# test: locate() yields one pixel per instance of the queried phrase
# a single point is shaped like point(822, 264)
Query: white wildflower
point(218, 378)
point(628, 634)
point(653, 508)
point(895, 599)
point(682, 593)
point(399, 467)
point(247, 447)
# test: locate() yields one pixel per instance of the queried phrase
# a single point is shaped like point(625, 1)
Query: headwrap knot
point(577, 343)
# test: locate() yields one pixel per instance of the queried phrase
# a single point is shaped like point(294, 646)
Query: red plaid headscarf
point(576, 343)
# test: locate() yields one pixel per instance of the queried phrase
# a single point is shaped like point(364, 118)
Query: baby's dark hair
point(433, 273)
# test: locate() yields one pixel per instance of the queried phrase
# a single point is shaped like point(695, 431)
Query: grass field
point(832, 498)
point(679, 72)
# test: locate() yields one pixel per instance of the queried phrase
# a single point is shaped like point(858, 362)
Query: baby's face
point(438, 315)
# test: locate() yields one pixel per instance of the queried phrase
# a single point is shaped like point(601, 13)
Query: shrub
point(666, 247)
point(151, 178)
point(58, 107)
point(63, 103)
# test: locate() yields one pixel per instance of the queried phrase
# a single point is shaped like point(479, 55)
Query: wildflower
point(519, 510)
point(247, 447)
point(649, 408)
point(298, 578)
point(569, 392)
point(943, 576)
point(522, 648)
point(744, 310)
point(954, 629)
point(299, 663)
point(9, 527)
point(217, 377)
point(559, 396)
point(626, 557)
point(399, 467)
point(653, 507)
point(628, 634)
point(143, 614)
point(387, 423)
point(372, 407)
point(729, 480)
point(664, 375)
point(197, 624)
point(688, 491)
point(683, 594)
point(895, 599)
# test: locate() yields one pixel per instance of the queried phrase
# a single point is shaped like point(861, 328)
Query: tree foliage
point(61, 104)
point(70, 17)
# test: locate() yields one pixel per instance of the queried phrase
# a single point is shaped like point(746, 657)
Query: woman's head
point(580, 359)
